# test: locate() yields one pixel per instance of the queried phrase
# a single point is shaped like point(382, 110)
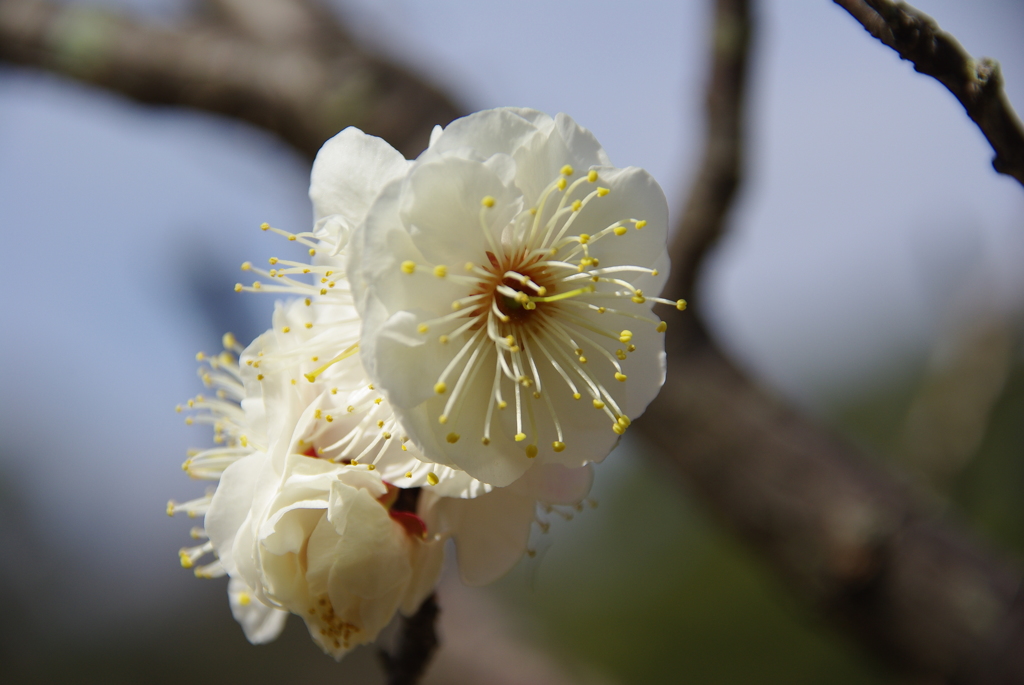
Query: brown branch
point(977, 84)
point(416, 644)
point(718, 177)
point(267, 73)
point(856, 543)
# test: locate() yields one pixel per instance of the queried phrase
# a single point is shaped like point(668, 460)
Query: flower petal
point(349, 171)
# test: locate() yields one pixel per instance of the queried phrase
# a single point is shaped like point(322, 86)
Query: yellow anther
point(185, 464)
point(178, 408)
point(621, 354)
point(378, 400)
point(380, 424)
point(584, 238)
point(440, 387)
point(259, 376)
point(432, 478)
point(228, 340)
point(576, 205)
point(408, 474)
point(592, 176)
point(273, 260)
point(631, 348)
point(440, 270)
point(598, 404)
point(601, 310)
point(239, 287)
point(654, 272)
point(561, 184)
point(520, 437)
point(620, 230)
point(640, 224)
point(536, 395)
point(350, 409)
point(200, 356)
point(256, 285)
point(531, 451)
point(317, 414)
point(308, 324)
point(370, 467)
point(189, 421)
point(293, 381)
point(292, 238)
point(557, 445)
point(264, 226)
point(186, 562)
point(621, 377)
point(661, 327)
point(601, 192)
point(485, 441)
point(246, 266)
point(334, 391)
point(502, 404)
point(422, 328)
point(443, 340)
point(618, 428)
point(576, 396)
point(312, 252)
point(408, 266)
point(567, 170)
point(314, 359)
point(442, 419)
point(583, 360)
point(470, 266)
point(170, 507)
point(625, 336)
point(488, 201)
point(624, 421)
point(681, 305)
point(452, 438)
point(542, 291)
point(286, 329)
point(323, 291)
point(533, 211)
point(456, 305)
point(329, 418)
point(639, 297)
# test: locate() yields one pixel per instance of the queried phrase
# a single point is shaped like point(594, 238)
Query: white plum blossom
point(505, 280)
point(305, 519)
point(339, 416)
point(329, 541)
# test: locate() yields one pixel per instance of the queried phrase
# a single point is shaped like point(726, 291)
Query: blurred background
point(872, 273)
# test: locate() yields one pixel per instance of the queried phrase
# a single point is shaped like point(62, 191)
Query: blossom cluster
point(472, 332)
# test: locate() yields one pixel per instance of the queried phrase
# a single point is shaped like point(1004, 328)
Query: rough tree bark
point(914, 587)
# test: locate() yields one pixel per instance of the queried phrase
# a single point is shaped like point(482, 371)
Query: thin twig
point(977, 84)
point(416, 644)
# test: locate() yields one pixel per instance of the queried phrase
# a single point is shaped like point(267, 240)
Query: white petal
point(230, 506)
point(491, 532)
point(261, 623)
point(490, 132)
point(441, 207)
point(349, 171)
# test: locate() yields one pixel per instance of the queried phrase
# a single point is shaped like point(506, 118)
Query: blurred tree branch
point(284, 65)
point(856, 542)
point(415, 645)
point(977, 84)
